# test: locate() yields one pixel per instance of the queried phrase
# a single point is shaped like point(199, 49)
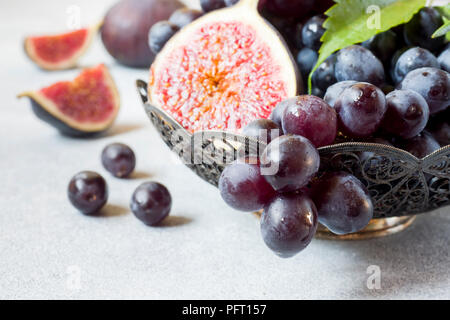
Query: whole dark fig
point(126, 25)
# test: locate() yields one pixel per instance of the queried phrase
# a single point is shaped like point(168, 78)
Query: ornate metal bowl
point(399, 183)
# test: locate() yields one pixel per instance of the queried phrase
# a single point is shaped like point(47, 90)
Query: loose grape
point(343, 203)
point(288, 224)
point(151, 203)
point(210, 5)
point(433, 84)
point(406, 115)
point(243, 187)
point(88, 192)
point(360, 109)
point(264, 130)
point(420, 28)
point(306, 60)
point(312, 118)
point(412, 59)
point(444, 59)
point(324, 76)
point(184, 16)
point(159, 34)
point(359, 64)
point(334, 91)
point(277, 112)
point(422, 145)
point(118, 159)
point(312, 32)
point(289, 162)
point(383, 45)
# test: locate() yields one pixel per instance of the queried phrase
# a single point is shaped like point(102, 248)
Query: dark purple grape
point(288, 224)
point(159, 34)
point(383, 45)
point(422, 145)
point(324, 76)
point(210, 5)
point(277, 112)
point(290, 29)
point(412, 59)
point(151, 203)
point(394, 60)
point(343, 203)
point(293, 34)
point(360, 109)
point(433, 84)
point(88, 192)
point(184, 16)
point(334, 91)
point(359, 64)
point(312, 118)
point(118, 159)
point(264, 130)
point(288, 8)
point(406, 115)
point(317, 92)
point(243, 187)
point(441, 133)
point(418, 30)
point(230, 3)
point(312, 32)
point(289, 162)
point(306, 60)
point(444, 59)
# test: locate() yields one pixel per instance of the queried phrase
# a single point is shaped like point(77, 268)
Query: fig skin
point(125, 29)
point(61, 126)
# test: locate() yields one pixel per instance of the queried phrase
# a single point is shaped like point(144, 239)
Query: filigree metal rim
point(400, 184)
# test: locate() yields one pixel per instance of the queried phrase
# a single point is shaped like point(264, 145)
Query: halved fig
point(223, 70)
point(86, 106)
point(61, 51)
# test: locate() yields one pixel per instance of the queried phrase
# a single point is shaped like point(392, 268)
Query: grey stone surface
point(204, 250)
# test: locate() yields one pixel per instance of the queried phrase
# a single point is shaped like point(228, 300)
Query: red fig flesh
point(60, 51)
point(84, 106)
point(223, 70)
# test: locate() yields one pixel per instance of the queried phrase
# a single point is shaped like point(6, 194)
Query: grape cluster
point(285, 183)
point(395, 87)
point(384, 60)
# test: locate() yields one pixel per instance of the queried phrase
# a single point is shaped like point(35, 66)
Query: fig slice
point(61, 51)
point(223, 70)
point(85, 106)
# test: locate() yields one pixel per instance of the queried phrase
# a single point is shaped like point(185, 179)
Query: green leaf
point(444, 10)
point(354, 21)
point(443, 30)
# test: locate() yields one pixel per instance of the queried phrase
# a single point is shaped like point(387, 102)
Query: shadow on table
point(111, 210)
point(118, 129)
point(174, 221)
point(414, 258)
point(139, 175)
